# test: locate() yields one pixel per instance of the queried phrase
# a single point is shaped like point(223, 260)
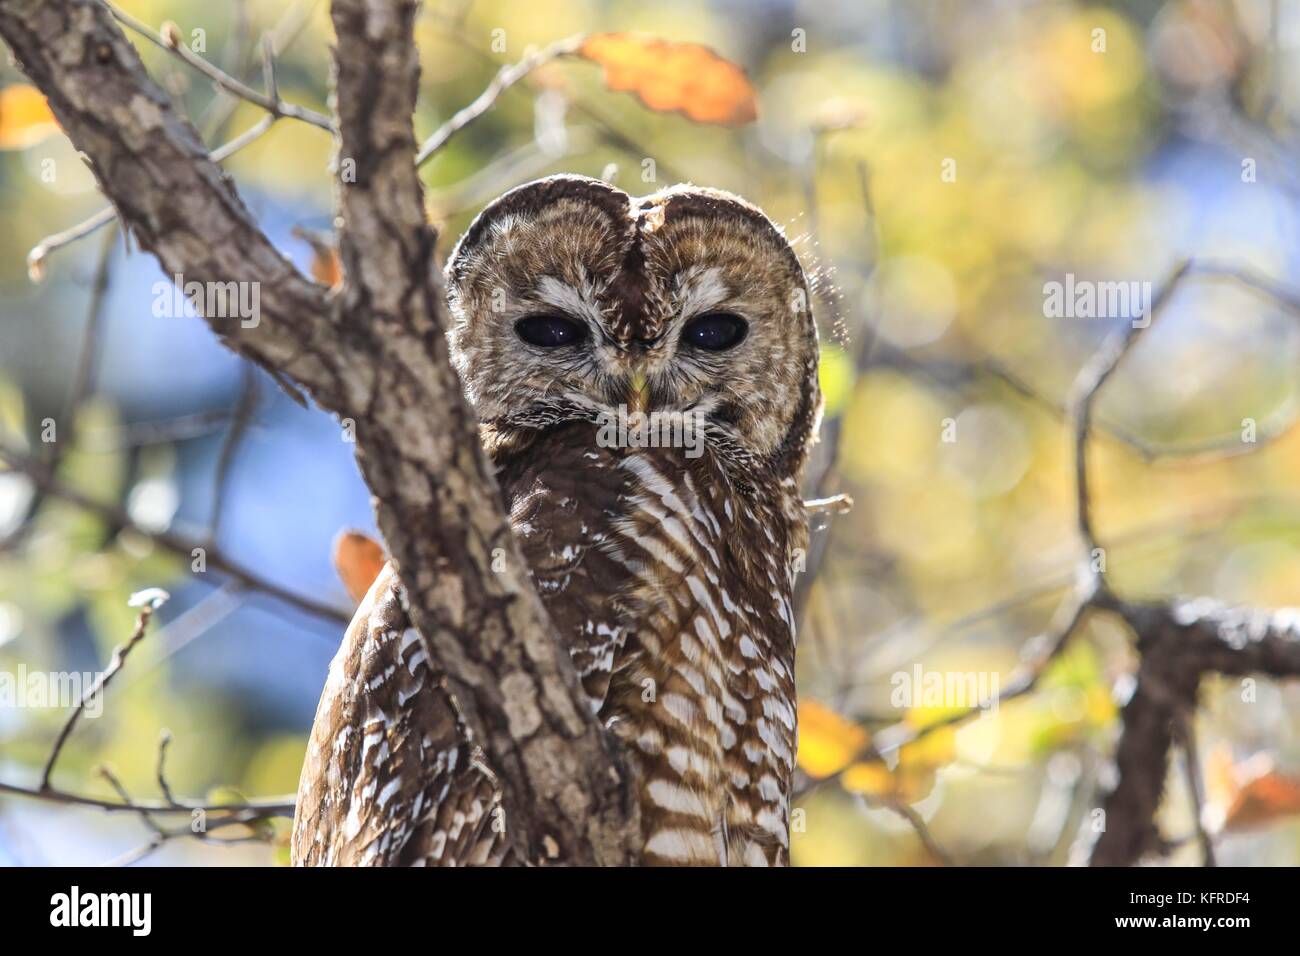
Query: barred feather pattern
point(682, 633)
point(683, 642)
point(391, 777)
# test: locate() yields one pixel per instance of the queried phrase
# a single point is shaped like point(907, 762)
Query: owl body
point(683, 641)
point(666, 565)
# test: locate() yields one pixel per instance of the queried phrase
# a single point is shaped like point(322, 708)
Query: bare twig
point(248, 813)
point(236, 59)
point(82, 385)
point(125, 797)
point(169, 39)
point(840, 504)
point(164, 741)
point(1083, 395)
point(242, 812)
point(1183, 727)
point(185, 548)
point(97, 688)
point(240, 419)
point(506, 77)
point(609, 132)
point(40, 252)
point(922, 829)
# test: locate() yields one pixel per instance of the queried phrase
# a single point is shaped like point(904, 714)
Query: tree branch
point(168, 38)
point(375, 354)
point(119, 658)
point(1180, 643)
point(184, 548)
point(506, 77)
point(248, 813)
point(437, 502)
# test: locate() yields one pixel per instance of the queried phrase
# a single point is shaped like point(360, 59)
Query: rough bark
point(373, 353)
point(1180, 643)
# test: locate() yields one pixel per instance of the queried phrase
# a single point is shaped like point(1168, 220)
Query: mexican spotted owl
point(645, 375)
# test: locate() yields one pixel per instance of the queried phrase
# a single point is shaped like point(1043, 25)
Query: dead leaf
point(358, 559)
point(326, 268)
point(25, 117)
point(1251, 792)
point(1263, 800)
point(681, 77)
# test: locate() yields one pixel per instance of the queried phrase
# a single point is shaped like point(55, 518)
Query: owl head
point(569, 296)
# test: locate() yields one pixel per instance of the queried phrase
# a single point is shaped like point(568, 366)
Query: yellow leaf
point(827, 741)
point(683, 77)
point(904, 784)
point(25, 117)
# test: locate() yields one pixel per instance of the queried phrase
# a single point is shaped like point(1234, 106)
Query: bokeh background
point(937, 162)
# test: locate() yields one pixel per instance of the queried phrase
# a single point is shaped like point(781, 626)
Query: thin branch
point(611, 133)
point(241, 417)
point(244, 812)
point(922, 830)
point(1183, 728)
point(236, 60)
point(164, 741)
point(101, 682)
point(125, 797)
point(840, 504)
point(82, 384)
point(248, 813)
point(506, 77)
point(1083, 396)
point(41, 251)
point(169, 39)
point(163, 835)
point(185, 548)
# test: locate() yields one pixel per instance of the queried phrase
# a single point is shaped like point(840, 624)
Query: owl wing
point(390, 776)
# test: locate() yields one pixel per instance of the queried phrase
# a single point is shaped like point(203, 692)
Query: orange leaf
point(326, 268)
point(25, 117)
point(358, 559)
point(666, 77)
point(1266, 798)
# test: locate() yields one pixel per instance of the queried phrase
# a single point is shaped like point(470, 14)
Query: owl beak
point(638, 393)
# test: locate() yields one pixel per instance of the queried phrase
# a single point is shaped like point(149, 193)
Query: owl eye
point(715, 331)
point(550, 331)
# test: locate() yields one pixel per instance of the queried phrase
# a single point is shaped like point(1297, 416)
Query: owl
point(644, 371)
